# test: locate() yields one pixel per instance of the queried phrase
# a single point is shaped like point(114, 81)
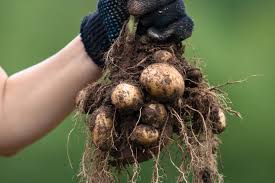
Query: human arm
point(36, 100)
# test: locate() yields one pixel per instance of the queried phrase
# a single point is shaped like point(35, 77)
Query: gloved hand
point(161, 20)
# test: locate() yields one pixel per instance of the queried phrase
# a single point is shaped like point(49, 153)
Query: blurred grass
point(234, 38)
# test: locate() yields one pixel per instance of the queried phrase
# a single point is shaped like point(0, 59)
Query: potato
point(82, 100)
point(163, 56)
point(163, 82)
point(126, 96)
point(194, 77)
point(219, 125)
point(145, 135)
point(154, 115)
point(101, 125)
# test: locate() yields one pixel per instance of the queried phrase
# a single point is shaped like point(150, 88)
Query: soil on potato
point(191, 118)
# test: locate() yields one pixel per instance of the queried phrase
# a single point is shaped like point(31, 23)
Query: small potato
point(126, 96)
point(193, 77)
point(145, 135)
point(163, 56)
point(101, 125)
point(219, 123)
point(163, 82)
point(154, 115)
point(84, 99)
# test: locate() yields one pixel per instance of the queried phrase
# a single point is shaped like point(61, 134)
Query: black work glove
point(161, 20)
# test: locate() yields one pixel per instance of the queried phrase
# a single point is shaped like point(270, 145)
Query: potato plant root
point(179, 107)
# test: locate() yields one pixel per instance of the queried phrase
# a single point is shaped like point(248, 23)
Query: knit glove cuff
point(95, 38)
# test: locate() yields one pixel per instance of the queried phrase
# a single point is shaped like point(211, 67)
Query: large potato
point(163, 82)
point(101, 125)
point(126, 96)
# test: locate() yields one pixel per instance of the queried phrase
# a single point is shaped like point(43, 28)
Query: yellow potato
point(101, 125)
point(145, 135)
point(163, 56)
point(163, 82)
point(126, 96)
point(220, 125)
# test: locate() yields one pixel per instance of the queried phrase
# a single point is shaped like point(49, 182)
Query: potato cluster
point(164, 85)
point(150, 96)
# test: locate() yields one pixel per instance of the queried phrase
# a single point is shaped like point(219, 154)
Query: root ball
point(148, 98)
point(126, 96)
point(101, 124)
point(154, 115)
point(163, 82)
point(145, 135)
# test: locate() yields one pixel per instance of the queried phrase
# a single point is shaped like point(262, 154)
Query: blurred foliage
point(234, 38)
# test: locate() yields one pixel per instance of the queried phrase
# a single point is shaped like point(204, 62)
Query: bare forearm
point(37, 99)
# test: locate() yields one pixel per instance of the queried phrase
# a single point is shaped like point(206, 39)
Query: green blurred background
point(234, 38)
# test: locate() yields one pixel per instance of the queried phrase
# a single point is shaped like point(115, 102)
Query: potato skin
point(163, 82)
point(193, 77)
point(145, 135)
point(163, 56)
point(101, 124)
point(218, 121)
point(126, 96)
point(154, 115)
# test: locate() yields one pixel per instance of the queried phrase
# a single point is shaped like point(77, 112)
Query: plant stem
point(132, 27)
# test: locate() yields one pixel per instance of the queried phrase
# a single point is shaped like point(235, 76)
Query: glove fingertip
point(159, 35)
point(136, 8)
point(188, 26)
point(143, 7)
point(189, 22)
point(175, 32)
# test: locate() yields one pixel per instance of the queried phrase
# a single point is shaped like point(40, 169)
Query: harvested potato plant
point(150, 97)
